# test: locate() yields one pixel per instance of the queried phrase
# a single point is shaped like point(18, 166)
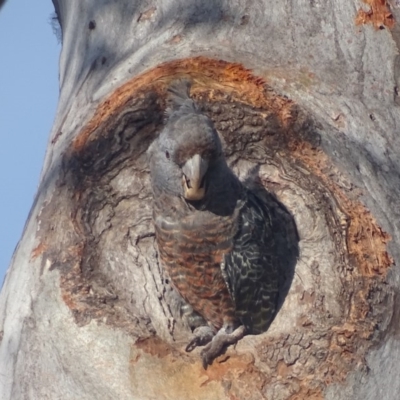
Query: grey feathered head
point(187, 148)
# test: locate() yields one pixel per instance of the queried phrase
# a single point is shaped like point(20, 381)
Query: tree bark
point(305, 97)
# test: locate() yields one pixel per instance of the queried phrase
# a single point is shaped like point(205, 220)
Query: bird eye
point(167, 154)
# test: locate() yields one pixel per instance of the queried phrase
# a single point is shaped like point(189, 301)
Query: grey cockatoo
point(214, 235)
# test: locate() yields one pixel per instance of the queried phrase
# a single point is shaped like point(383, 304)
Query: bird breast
point(192, 249)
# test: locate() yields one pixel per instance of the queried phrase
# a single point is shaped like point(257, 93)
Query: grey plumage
point(214, 235)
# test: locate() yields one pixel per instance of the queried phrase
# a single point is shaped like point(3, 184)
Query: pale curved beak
point(193, 173)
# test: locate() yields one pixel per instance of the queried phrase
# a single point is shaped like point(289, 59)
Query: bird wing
point(250, 269)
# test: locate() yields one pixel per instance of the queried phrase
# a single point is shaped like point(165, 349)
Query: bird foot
point(202, 335)
point(219, 342)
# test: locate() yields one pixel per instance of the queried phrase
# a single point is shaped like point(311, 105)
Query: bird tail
point(179, 100)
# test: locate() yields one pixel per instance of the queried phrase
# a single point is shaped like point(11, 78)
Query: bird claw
point(215, 344)
point(218, 343)
point(202, 336)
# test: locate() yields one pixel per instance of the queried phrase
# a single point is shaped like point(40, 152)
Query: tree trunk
point(305, 97)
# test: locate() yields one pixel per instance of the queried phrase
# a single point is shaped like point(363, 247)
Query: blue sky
point(29, 54)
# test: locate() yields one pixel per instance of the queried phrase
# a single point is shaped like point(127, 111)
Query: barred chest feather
point(193, 248)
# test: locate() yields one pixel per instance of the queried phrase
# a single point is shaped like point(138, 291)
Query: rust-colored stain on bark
point(204, 69)
point(71, 292)
point(365, 238)
point(185, 378)
point(379, 14)
point(154, 346)
point(309, 394)
point(175, 39)
point(38, 250)
point(146, 15)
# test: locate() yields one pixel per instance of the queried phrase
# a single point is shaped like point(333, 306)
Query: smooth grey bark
point(57, 343)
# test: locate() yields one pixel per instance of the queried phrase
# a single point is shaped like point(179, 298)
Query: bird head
point(185, 155)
